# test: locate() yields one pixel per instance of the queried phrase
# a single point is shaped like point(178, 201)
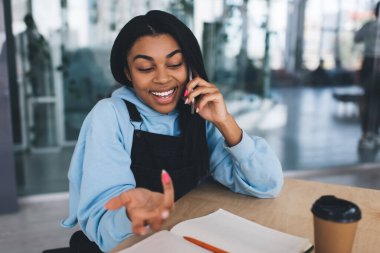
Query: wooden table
point(289, 212)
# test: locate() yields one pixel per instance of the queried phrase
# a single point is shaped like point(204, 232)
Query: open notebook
point(224, 230)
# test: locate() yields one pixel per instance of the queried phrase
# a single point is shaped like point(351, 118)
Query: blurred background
point(290, 71)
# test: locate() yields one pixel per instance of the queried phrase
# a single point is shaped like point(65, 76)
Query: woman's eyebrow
point(173, 53)
point(143, 57)
point(149, 58)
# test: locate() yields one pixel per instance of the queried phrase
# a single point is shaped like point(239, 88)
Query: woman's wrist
point(230, 130)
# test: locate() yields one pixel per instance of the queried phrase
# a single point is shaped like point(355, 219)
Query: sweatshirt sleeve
point(106, 173)
point(250, 167)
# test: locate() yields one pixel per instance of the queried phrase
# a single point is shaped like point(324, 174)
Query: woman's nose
point(162, 76)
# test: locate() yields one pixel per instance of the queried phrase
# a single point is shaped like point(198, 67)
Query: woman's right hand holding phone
point(210, 105)
point(146, 209)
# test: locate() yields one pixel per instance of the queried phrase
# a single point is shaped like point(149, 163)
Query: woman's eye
point(176, 65)
point(145, 69)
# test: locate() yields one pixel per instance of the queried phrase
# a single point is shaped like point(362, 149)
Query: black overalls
point(151, 153)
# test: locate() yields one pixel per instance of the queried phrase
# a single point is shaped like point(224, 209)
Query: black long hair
point(156, 22)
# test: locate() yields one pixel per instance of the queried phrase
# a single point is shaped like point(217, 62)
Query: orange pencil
point(204, 245)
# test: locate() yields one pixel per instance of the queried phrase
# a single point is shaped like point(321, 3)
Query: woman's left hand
point(209, 102)
point(146, 209)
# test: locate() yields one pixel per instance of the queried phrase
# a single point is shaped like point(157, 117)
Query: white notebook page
point(164, 242)
point(235, 234)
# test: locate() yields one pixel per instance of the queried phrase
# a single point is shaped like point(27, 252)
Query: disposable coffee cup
point(335, 223)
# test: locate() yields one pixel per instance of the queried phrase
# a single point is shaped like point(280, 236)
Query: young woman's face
point(158, 71)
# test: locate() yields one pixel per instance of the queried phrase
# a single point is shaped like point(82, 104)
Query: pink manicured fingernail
point(165, 176)
point(186, 101)
point(165, 214)
point(197, 110)
point(186, 93)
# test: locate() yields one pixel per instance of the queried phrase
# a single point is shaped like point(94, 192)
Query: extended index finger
point(168, 190)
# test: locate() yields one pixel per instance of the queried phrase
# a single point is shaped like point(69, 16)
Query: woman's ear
point(127, 74)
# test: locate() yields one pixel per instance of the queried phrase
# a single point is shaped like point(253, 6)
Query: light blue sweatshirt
point(100, 166)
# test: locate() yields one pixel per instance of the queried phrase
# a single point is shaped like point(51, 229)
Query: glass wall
point(289, 70)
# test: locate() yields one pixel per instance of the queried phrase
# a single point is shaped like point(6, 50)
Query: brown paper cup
point(333, 237)
point(335, 223)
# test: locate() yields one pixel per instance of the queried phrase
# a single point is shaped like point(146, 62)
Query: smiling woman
point(158, 72)
point(130, 143)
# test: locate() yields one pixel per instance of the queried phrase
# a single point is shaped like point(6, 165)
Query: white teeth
point(163, 94)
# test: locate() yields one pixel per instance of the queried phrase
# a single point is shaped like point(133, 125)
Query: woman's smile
point(165, 97)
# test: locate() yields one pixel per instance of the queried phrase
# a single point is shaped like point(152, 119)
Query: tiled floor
point(316, 141)
point(320, 133)
point(366, 176)
point(35, 227)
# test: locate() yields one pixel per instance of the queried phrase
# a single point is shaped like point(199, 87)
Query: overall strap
point(133, 113)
